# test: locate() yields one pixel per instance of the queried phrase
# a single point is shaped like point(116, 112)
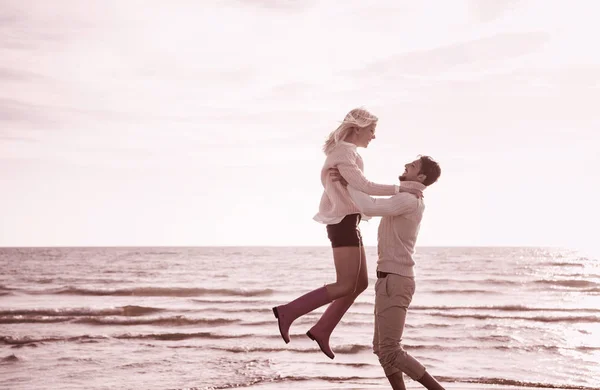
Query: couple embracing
point(347, 198)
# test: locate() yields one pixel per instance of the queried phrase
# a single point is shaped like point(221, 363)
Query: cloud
point(8, 137)
point(486, 10)
point(18, 30)
point(11, 74)
point(30, 25)
point(19, 112)
point(47, 116)
point(278, 5)
point(488, 51)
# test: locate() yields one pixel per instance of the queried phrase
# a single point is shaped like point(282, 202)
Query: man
point(395, 286)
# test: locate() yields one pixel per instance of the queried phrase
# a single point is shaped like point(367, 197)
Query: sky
point(129, 122)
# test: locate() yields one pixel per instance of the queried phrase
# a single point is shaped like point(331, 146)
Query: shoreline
point(382, 384)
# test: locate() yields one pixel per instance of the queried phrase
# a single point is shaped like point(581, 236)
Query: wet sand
point(381, 385)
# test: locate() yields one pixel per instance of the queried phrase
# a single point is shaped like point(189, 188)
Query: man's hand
point(335, 175)
point(414, 191)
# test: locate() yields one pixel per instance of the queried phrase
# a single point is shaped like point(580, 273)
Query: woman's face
point(366, 135)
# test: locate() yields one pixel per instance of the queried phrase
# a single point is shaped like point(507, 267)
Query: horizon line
point(267, 246)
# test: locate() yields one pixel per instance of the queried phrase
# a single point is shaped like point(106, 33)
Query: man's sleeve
point(398, 204)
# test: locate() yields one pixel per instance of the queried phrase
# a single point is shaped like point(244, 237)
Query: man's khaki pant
point(393, 295)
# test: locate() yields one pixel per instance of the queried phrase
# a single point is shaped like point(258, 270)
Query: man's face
point(411, 172)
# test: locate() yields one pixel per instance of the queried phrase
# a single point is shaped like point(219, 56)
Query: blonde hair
point(358, 117)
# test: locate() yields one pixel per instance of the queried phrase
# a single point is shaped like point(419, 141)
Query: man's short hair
point(431, 169)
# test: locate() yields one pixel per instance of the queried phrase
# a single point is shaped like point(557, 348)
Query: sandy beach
point(410, 385)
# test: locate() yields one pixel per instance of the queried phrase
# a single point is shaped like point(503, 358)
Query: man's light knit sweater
point(398, 229)
point(335, 201)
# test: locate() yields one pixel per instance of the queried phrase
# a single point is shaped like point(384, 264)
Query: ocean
point(200, 318)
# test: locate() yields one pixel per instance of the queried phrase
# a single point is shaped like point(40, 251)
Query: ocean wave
point(336, 379)
point(263, 349)
point(351, 349)
point(354, 349)
point(9, 359)
point(483, 381)
point(67, 280)
point(428, 325)
point(175, 336)
point(513, 348)
point(585, 348)
point(570, 319)
point(562, 264)
point(593, 290)
point(129, 311)
point(358, 365)
point(162, 321)
point(282, 379)
point(247, 383)
point(33, 320)
point(179, 336)
point(500, 308)
point(465, 291)
point(26, 340)
point(577, 275)
point(40, 280)
point(498, 338)
point(158, 253)
point(294, 378)
point(245, 301)
point(216, 309)
point(512, 382)
point(308, 319)
point(485, 282)
point(571, 283)
point(103, 321)
point(159, 292)
point(516, 308)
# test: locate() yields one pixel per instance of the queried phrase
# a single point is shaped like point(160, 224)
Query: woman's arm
point(355, 178)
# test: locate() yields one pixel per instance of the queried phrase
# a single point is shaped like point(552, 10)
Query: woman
point(340, 214)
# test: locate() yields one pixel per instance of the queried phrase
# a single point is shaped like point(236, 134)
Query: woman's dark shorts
point(346, 232)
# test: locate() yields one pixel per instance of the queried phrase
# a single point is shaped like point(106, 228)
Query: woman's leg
point(346, 243)
point(286, 314)
point(322, 330)
point(347, 262)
